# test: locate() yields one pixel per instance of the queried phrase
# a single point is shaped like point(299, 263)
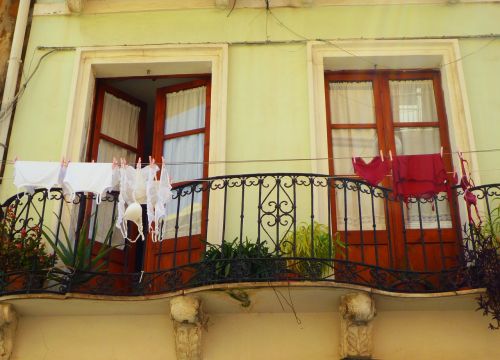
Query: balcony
point(254, 228)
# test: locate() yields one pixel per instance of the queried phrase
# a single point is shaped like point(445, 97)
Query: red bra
point(373, 172)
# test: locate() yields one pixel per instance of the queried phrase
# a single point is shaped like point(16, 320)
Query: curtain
point(414, 101)
point(185, 111)
point(120, 120)
point(353, 103)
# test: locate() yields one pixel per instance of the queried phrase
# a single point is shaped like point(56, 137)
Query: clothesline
point(331, 177)
point(11, 162)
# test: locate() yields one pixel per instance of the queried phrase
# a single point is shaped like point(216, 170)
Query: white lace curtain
point(185, 111)
point(414, 101)
point(353, 103)
point(120, 120)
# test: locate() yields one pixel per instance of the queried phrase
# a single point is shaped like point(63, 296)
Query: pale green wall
point(268, 105)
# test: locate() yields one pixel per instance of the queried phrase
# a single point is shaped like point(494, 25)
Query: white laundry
point(136, 187)
point(163, 196)
point(32, 175)
point(96, 178)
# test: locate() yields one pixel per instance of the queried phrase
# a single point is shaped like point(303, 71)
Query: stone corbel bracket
point(188, 319)
point(357, 311)
point(76, 6)
point(8, 326)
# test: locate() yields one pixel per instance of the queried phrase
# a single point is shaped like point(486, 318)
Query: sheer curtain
point(120, 120)
point(353, 103)
point(185, 110)
point(414, 101)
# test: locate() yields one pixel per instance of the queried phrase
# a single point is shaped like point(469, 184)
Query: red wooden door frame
point(116, 259)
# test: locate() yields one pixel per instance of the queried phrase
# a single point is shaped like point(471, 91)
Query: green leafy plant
point(491, 225)
point(238, 260)
point(77, 258)
point(298, 244)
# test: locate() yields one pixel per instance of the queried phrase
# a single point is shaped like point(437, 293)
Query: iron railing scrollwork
point(306, 227)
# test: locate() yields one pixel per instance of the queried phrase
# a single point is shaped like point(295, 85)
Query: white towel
point(96, 178)
point(32, 175)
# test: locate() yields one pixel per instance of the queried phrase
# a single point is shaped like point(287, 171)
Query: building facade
point(266, 102)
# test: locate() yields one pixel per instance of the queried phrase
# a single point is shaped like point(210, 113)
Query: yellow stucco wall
point(410, 335)
point(267, 84)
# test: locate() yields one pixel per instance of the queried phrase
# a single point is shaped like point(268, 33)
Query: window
point(369, 112)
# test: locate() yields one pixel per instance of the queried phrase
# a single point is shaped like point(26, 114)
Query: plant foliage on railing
point(483, 255)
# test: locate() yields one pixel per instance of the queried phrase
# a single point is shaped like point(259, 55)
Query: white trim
point(119, 6)
point(430, 53)
point(91, 63)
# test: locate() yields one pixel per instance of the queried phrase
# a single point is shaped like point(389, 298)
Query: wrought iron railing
point(245, 228)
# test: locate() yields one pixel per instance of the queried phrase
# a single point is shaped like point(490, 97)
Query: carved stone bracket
point(188, 321)
point(223, 4)
point(357, 311)
point(8, 325)
point(76, 6)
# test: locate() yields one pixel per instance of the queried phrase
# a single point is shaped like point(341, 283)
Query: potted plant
point(23, 259)
point(78, 263)
point(235, 260)
point(308, 245)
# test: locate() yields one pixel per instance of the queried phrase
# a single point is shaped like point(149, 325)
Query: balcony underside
point(272, 297)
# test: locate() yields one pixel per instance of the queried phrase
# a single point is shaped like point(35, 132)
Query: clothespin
point(354, 159)
point(151, 160)
point(138, 163)
point(390, 154)
point(115, 163)
point(16, 158)
point(381, 155)
point(441, 152)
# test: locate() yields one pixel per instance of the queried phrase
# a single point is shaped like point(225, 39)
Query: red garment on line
point(419, 176)
point(373, 172)
point(466, 184)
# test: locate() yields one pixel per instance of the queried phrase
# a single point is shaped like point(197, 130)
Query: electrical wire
point(250, 161)
point(362, 58)
point(22, 88)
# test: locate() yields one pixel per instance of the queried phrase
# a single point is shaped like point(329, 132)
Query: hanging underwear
point(135, 189)
point(419, 176)
point(32, 175)
point(163, 195)
point(466, 184)
point(373, 172)
point(96, 178)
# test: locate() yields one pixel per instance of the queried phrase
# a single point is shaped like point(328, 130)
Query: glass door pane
point(354, 133)
point(413, 101)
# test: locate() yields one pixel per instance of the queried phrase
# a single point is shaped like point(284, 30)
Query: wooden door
point(181, 135)
point(425, 232)
point(118, 132)
point(359, 213)
point(368, 113)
